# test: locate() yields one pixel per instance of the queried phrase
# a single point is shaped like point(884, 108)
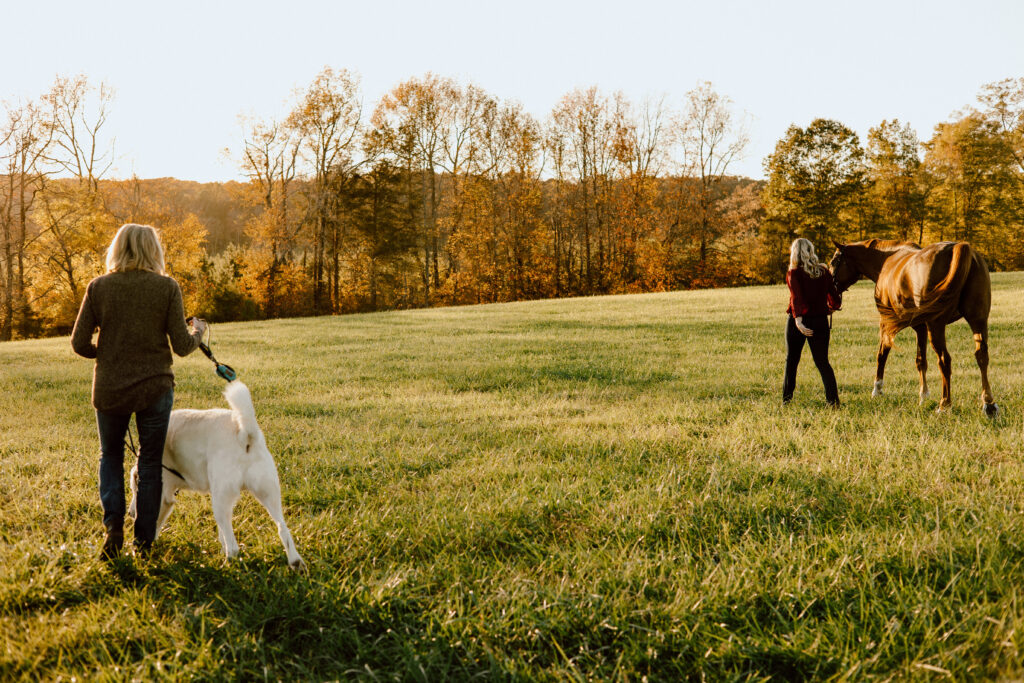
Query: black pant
point(819, 351)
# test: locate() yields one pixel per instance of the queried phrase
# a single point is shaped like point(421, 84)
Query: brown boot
point(112, 545)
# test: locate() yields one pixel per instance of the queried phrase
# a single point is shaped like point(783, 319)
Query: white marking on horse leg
point(877, 390)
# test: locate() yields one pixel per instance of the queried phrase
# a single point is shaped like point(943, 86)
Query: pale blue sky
point(184, 71)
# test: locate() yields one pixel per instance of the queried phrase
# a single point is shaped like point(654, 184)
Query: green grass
point(601, 488)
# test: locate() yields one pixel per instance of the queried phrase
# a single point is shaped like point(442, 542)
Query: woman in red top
point(810, 289)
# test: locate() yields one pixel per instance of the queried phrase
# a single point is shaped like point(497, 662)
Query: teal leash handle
point(223, 371)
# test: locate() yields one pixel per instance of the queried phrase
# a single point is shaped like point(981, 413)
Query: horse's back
point(939, 282)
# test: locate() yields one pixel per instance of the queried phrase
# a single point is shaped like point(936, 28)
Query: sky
point(184, 72)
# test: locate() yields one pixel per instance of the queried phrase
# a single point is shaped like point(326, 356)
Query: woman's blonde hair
point(136, 247)
point(801, 255)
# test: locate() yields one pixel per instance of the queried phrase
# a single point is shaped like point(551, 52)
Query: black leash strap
point(130, 442)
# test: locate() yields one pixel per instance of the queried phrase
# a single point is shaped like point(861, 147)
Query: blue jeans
point(152, 425)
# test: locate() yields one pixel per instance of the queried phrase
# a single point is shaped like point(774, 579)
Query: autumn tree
point(24, 142)
point(746, 255)
point(974, 197)
point(412, 120)
point(269, 159)
point(815, 175)
point(466, 113)
point(501, 242)
point(75, 224)
point(327, 120)
point(583, 133)
point(893, 164)
point(711, 138)
point(384, 237)
point(556, 211)
point(640, 253)
point(1004, 109)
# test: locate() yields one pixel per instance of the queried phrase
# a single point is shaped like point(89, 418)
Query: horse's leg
point(980, 330)
point(883, 354)
point(922, 359)
point(937, 332)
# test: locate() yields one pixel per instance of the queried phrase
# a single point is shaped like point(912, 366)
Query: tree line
point(442, 194)
point(966, 182)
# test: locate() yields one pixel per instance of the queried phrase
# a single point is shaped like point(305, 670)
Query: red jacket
point(810, 295)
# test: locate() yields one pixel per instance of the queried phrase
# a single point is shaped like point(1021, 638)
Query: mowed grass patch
point(599, 488)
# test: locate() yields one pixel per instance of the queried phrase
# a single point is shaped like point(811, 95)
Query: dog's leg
point(167, 500)
point(268, 493)
point(224, 499)
point(133, 485)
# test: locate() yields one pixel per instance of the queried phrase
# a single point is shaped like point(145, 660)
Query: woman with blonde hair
point(812, 296)
point(137, 308)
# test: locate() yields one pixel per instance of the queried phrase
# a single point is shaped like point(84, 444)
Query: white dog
point(221, 452)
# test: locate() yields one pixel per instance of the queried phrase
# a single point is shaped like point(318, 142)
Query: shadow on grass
point(257, 620)
point(937, 605)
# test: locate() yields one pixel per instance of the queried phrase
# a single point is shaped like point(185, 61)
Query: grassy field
point(601, 488)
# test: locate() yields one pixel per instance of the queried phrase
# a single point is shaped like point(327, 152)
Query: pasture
point(601, 488)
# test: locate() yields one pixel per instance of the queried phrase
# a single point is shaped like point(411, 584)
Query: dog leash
point(130, 442)
point(225, 372)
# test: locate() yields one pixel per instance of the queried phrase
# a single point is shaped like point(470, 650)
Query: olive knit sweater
point(136, 311)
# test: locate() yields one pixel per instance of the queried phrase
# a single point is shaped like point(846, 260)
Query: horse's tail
point(938, 302)
point(943, 299)
point(946, 295)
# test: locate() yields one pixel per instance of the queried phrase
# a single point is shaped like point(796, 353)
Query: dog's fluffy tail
point(240, 401)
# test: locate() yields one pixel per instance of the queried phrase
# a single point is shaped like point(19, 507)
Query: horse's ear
point(840, 247)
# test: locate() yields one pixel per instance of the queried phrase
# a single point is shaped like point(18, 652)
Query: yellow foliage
point(183, 254)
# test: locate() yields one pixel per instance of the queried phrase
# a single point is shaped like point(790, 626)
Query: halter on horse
point(925, 289)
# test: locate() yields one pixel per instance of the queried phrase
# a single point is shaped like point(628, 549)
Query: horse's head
point(844, 271)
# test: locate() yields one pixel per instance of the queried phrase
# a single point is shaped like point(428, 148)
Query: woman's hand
point(200, 325)
point(806, 331)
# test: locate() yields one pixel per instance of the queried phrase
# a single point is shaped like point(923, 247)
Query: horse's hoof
point(944, 408)
point(877, 390)
point(923, 398)
point(990, 409)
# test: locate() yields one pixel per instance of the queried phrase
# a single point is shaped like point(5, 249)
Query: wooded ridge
point(444, 194)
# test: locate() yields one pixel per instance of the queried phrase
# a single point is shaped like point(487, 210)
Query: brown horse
point(925, 289)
